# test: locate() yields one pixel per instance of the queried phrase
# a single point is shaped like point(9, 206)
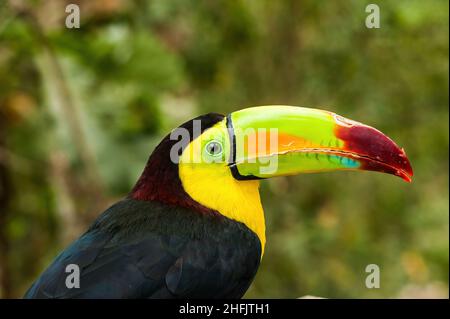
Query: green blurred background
point(81, 110)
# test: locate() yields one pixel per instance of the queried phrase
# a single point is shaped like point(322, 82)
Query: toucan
point(193, 224)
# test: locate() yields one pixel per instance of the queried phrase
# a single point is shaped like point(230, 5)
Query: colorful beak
point(285, 140)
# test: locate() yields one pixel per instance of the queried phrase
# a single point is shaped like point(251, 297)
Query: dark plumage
point(141, 249)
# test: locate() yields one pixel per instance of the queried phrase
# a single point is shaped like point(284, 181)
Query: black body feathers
point(146, 249)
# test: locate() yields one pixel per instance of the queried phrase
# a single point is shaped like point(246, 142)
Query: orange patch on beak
point(266, 143)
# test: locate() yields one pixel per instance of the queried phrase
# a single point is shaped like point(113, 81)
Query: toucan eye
point(214, 148)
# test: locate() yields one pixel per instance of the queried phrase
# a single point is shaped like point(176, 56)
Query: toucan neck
point(220, 191)
point(160, 182)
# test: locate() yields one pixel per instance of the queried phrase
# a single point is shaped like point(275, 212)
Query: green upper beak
point(285, 140)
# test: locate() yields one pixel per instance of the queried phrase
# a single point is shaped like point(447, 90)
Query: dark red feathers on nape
point(160, 180)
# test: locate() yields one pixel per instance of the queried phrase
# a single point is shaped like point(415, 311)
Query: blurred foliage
point(136, 69)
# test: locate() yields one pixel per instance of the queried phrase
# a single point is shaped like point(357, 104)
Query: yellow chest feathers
point(213, 186)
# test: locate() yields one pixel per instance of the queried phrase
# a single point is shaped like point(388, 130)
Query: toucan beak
point(285, 140)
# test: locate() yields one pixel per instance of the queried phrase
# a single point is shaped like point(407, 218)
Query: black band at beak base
point(232, 160)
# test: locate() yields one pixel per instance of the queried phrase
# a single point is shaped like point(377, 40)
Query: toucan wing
point(134, 262)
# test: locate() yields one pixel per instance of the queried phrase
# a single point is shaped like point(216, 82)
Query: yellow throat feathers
point(213, 186)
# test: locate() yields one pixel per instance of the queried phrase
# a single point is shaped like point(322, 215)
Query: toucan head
point(215, 162)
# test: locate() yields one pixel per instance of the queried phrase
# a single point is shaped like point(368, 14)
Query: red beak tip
point(406, 176)
point(407, 171)
point(408, 179)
